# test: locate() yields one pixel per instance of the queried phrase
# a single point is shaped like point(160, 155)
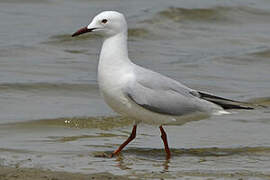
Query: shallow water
point(52, 116)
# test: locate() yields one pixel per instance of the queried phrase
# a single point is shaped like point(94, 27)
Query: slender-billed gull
point(142, 94)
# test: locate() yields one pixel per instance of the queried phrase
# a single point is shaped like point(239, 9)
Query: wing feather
point(167, 102)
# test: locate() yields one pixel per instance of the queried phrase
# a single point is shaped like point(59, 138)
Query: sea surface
point(53, 117)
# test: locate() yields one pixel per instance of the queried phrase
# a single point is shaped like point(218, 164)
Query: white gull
point(142, 94)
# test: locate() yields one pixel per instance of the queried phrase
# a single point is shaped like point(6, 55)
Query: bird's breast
point(111, 84)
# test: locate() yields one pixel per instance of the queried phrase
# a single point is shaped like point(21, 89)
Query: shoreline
point(13, 173)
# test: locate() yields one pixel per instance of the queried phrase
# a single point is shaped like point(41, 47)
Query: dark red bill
point(82, 31)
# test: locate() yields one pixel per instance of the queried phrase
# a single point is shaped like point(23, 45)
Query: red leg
point(164, 138)
point(130, 138)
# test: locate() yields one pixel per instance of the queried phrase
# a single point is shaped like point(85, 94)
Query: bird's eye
point(104, 21)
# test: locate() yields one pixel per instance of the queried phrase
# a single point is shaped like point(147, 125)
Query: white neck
point(114, 51)
point(113, 61)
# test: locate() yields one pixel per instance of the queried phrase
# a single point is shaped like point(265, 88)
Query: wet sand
point(12, 173)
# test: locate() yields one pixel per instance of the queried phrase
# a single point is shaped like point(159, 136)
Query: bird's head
point(107, 23)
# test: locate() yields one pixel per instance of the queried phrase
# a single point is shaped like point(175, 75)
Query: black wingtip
point(226, 103)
